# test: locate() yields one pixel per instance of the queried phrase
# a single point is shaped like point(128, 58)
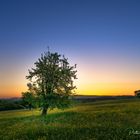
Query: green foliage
point(52, 81)
point(101, 120)
point(138, 95)
point(10, 105)
point(29, 99)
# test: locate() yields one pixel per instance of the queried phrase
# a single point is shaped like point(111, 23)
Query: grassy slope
point(102, 120)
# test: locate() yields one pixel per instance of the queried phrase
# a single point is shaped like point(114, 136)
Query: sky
point(100, 36)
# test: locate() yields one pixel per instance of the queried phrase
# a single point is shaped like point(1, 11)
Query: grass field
point(100, 120)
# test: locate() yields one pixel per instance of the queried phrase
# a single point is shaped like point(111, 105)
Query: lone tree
point(51, 81)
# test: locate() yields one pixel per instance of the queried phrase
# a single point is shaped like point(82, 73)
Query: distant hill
point(10, 104)
point(16, 102)
point(91, 98)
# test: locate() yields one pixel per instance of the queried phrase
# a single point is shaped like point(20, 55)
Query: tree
point(52, 80)
point(28, 97)
point(137, 93)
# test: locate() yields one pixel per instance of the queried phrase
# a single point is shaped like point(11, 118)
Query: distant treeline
point(13, 104)
point(10, 104)
point(98, 98)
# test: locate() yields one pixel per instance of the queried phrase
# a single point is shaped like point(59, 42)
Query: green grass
point(101, 120)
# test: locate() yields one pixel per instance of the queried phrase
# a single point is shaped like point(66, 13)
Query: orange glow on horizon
point(12, 91)
point(107, 89)
point(99, 81)
point(94, 89)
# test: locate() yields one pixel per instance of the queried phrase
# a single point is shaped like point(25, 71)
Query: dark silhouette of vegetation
point(51, 82)
point(10, 104)
point(137, 93)
point(28, 99)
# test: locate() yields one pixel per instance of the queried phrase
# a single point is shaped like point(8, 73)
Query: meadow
point(100, 120)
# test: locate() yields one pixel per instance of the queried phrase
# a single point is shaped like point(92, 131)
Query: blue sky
point(102, 37)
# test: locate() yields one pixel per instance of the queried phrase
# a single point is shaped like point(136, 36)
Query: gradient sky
point(101, 36)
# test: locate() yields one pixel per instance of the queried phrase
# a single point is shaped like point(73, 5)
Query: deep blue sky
point(98, 35)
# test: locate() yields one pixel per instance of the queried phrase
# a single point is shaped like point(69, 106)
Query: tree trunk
point(44, 110)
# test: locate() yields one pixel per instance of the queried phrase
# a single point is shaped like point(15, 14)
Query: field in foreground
point(100, 120)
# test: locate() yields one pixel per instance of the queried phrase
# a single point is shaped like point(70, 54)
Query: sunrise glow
point(101, 38)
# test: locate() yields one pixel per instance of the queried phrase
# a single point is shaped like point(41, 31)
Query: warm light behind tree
point(52, 80)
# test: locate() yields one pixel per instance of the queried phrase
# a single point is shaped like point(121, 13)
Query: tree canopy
point(51, 81)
